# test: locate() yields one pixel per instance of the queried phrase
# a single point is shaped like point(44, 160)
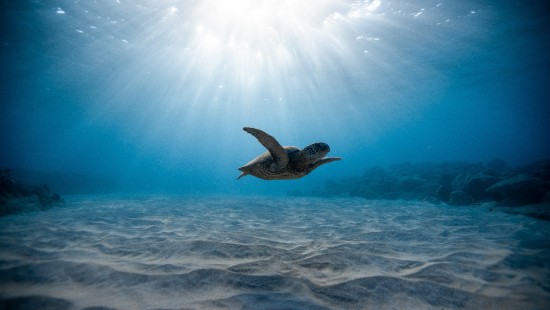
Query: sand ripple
point(275, 253)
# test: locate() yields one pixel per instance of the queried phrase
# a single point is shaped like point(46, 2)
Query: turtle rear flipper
point(280, 157)
point(245, 172)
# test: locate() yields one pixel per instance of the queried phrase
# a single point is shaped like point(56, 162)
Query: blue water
point(105, 100)
point(149, 96)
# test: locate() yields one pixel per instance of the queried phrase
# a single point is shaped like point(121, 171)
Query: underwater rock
point(519, 190)
point(477, 186)
point(443, 193)
point(16, 197)
point(460, 198)
point(427, 192)
point(498, 168)
point(539, 170)
point(460, 181)
point(410, 183)
point(459, 184)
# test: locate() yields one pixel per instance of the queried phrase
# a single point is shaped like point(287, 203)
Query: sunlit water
point(131, 91)
point(272, 253)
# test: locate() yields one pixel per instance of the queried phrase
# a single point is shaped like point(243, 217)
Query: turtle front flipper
point(280, 157)
point(323, 161)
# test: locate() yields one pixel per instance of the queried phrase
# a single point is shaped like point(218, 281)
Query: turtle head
point(315, 151)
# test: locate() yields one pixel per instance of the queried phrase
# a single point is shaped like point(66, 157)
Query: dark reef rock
point(443, 193)
point(460, 198)
point(459, 184)
point(519, 190)
point(16, 197)
point(539, 170)
point(477, 186)
point(410, 183)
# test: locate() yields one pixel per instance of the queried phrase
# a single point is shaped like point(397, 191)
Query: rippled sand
point(272, 253)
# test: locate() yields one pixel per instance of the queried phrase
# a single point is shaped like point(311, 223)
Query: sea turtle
point(283, 163)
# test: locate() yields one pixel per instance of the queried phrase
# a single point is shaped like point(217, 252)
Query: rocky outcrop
point(460, 198)
point(476, 188)
point(519, 190)
point(16, 197)
point(460, 184)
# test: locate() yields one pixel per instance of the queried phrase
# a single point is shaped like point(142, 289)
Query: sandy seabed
point(271, 253)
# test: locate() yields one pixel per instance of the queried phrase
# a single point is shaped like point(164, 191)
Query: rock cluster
point(460, 184)
point(16, 197)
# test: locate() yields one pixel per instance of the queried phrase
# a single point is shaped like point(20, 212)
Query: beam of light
point(183, 70)
point(237, 60)
point(258, 49)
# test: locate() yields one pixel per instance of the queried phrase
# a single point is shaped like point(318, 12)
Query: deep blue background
point(151, 96)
